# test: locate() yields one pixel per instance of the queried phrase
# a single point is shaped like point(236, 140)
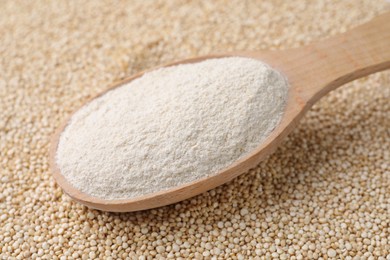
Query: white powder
point(171, 126)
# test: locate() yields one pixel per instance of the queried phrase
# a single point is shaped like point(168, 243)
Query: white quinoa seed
point(331, 252)
point(324, 194)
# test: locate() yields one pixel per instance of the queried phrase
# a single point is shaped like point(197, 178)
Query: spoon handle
point(326, 65)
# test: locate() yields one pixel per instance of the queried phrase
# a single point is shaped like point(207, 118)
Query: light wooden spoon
point(312, 72)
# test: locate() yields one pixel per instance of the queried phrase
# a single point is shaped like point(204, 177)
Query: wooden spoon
point(312, 72)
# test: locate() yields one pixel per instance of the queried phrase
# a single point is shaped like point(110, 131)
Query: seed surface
point(323, 194)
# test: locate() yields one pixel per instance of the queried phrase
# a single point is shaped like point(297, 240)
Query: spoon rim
point(232, 171)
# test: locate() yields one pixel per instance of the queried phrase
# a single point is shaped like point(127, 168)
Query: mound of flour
point(171, 126)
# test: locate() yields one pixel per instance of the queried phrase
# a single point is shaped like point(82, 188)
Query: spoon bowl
point(311, 71)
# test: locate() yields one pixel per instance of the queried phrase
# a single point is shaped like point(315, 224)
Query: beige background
point(323, 194)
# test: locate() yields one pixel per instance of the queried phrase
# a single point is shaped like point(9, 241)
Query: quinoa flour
point(171, 126)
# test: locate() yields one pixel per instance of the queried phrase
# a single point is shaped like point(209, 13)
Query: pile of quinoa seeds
point(324, 194)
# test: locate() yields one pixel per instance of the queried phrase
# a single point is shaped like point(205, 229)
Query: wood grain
point(312, 71)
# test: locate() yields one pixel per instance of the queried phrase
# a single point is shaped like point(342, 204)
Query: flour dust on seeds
point(171, 126)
